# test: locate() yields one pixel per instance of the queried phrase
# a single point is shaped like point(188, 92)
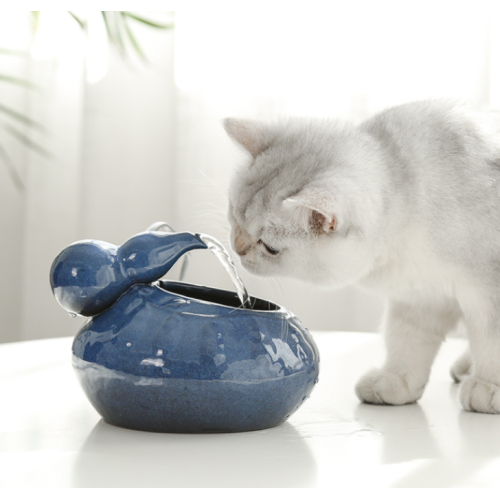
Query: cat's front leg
point(480, 391)
point(413, 333)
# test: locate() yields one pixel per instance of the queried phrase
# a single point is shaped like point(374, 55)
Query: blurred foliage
point(120, 36)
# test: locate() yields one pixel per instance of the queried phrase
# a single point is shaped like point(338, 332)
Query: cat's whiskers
point(221, 189)
point(212, 202)
point(208, 217)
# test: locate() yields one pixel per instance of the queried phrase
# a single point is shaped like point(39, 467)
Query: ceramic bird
point(88, 276)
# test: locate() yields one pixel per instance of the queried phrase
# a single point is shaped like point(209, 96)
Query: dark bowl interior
point(216, 296)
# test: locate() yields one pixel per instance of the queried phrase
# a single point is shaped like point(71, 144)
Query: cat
point(406, 203)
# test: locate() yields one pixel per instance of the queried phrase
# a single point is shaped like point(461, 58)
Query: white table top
point(50, 436)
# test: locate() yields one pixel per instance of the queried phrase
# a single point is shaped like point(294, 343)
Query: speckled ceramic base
point(189, 406)
point(164, 362)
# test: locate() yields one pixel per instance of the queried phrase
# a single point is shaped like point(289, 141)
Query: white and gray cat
point(406, 203)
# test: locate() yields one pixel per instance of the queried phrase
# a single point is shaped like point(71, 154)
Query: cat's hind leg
point(480, 391)
point(414, 332)
point(461, 367)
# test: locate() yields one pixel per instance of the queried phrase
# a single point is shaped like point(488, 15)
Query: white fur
point(409, 205)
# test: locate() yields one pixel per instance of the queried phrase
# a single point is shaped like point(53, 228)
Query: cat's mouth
point(253, 267)
point(249, 264)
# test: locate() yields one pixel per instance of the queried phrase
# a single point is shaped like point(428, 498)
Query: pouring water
point(216, 247)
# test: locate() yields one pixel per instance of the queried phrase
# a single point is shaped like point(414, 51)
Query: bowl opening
point(215, 295)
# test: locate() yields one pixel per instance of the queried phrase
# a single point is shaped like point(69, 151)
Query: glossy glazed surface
point(181, 358)
point(177, 357)
point(89, 276)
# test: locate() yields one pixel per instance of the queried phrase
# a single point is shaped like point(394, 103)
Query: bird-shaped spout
point(88, 276)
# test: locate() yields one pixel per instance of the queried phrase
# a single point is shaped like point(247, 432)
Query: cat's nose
point(242, 241)
point(243, 251)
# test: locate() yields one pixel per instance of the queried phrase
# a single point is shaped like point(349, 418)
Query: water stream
point(216, 247)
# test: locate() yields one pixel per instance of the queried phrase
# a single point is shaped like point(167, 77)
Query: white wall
point(13, 33)
point(349, 61)
point(146, 143)
point(11, 217)
point(112, 167)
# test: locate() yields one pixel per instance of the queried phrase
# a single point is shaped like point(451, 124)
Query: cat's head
point(305, 204)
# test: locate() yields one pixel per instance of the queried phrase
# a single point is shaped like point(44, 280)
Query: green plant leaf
point(12, 52)
point(119, 31)
point(35, 20)
point(153, 24)
point(132, 39)
point(22, 118)
point(112, 21)
point(82, 23)
point(29, 143)
point(11, 169)
point(18, 81)
point(120, 35)
point(106, 23)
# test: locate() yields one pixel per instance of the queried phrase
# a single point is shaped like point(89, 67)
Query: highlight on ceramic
point(167, 356)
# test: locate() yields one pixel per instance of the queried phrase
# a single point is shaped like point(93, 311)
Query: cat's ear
point(250, 134)
point(315, 210)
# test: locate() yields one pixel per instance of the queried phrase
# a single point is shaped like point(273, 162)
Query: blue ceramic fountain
point(169, 356)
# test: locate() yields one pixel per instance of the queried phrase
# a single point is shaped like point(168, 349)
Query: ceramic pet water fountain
point(169, 356)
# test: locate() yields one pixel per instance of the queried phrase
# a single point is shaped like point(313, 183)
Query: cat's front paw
point(385, 388)
point(480, 395)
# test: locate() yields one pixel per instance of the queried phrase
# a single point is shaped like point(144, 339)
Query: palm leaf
point(35, 19)
point(120, 35)
point(29, 143)
point(153, 24)
point(120, 32)
point(11, 52)
point(112, 22)
point(106, 23)
point(18, 81)
point(82, 23)
point(132, 38)
point(11, 169)
point(22, 118)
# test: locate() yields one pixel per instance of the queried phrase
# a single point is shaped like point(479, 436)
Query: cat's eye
point(269, 249)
